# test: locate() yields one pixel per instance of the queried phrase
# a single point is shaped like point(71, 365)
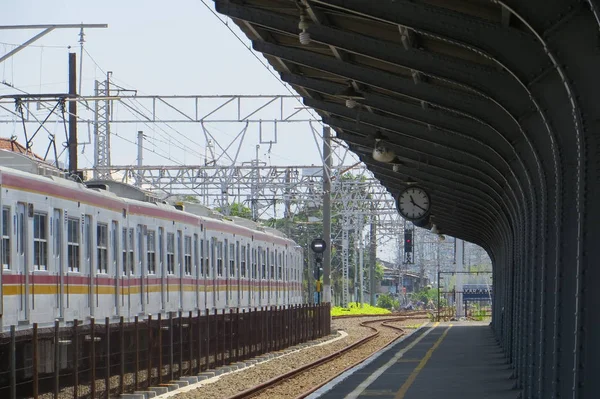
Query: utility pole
point(460, 255)
point(102, 128)
point(327, 213)
point(372, 256)
point(72, 113)
point(140, 162)
point(361, 269)
point(254, 188)
point(287, 203)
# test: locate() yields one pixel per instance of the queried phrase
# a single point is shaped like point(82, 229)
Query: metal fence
point(105, 360)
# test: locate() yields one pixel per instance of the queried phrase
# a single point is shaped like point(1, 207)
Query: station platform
point(441, 360)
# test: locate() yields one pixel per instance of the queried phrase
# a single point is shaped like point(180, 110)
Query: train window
point(40, 241)
point(263, 255)
point(115, 246)
point(202, 258)
point(73, 244)
point(179, 254)
point(196, 254)
point(140, 259)
point(170, 253)
point(161, 248)
point(102, 247)
point(151, 251)
point(128, 250)
point(272, 260)
point(243, 262)
point(280, 267)
point(87, 224)
point(187, 259)
point(219, 258)
point(212, 257)
point(254, 264)
point(5, 238)
point(231, 260)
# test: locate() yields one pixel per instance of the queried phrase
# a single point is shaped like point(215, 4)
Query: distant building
point(396, 282)
point(11, 144)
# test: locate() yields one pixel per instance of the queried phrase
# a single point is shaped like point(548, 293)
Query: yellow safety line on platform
point(359, 390)
point(413, 376)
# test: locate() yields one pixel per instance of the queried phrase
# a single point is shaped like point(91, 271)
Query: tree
point(386, 301)
point(239, 210)
point(189, 198)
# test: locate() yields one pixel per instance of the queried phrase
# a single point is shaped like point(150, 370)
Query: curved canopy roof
point(481, 101)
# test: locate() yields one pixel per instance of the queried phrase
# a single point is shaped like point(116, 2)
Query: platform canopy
point(492, 107)
point(478, 100)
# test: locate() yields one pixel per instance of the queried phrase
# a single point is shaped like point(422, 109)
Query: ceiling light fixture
point(303, 26)
point(381, 153)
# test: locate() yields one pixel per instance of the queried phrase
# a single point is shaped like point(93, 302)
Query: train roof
point(27, 167)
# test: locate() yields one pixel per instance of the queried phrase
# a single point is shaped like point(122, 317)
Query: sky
point(155, 47)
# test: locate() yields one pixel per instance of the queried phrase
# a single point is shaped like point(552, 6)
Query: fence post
point(216, 350)
point(207, 346)
point(199, 342)
point(136, 324)
point(13, 363)
point(230, 336)
point(122, 355)
point(171, 346)
point(180, 344)
point(237, 334)
point(107, 376)
point(56, 358)
point(224, 337)
point(149, 353)
point(191, 343)
point(35, 360)
point(75, 359)
point(160, 350)
point(93, 356)
point(252, 327)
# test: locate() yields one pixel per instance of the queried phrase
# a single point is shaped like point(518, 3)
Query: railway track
point(275, 388)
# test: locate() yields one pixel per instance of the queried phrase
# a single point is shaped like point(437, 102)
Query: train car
point(73, 250)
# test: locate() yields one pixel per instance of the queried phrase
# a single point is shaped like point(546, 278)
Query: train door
point(141, 250)
point(21, 264)
point(203, 271)
point(197, 270)
point(87, 260)
point(161, 267)
point(114, 236)
point(249, 273)
point(239, 272)
point(57, 261)
point(259, 275)
point(254, 273)
point(226, 274)
point(180, 267)
point(214, 271)
point(233, 262)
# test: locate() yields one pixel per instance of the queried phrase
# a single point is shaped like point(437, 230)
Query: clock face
point(413, 203)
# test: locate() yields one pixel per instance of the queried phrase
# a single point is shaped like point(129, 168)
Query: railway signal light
point(317, 272)
point(408, 241)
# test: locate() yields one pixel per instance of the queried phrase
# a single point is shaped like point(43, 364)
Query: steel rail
point(258, 389)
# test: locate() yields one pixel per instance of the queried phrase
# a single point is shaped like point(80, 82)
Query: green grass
point(354, 309)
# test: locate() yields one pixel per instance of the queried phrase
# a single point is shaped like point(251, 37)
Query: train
point(101, 248)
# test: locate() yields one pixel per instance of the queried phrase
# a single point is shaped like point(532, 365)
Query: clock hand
point(418, 206)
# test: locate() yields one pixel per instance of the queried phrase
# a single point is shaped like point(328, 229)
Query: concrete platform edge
point(329, 386)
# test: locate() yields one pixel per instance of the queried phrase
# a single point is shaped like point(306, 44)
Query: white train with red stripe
point(105, 249)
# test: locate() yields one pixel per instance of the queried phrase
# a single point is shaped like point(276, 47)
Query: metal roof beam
point(446, 24)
